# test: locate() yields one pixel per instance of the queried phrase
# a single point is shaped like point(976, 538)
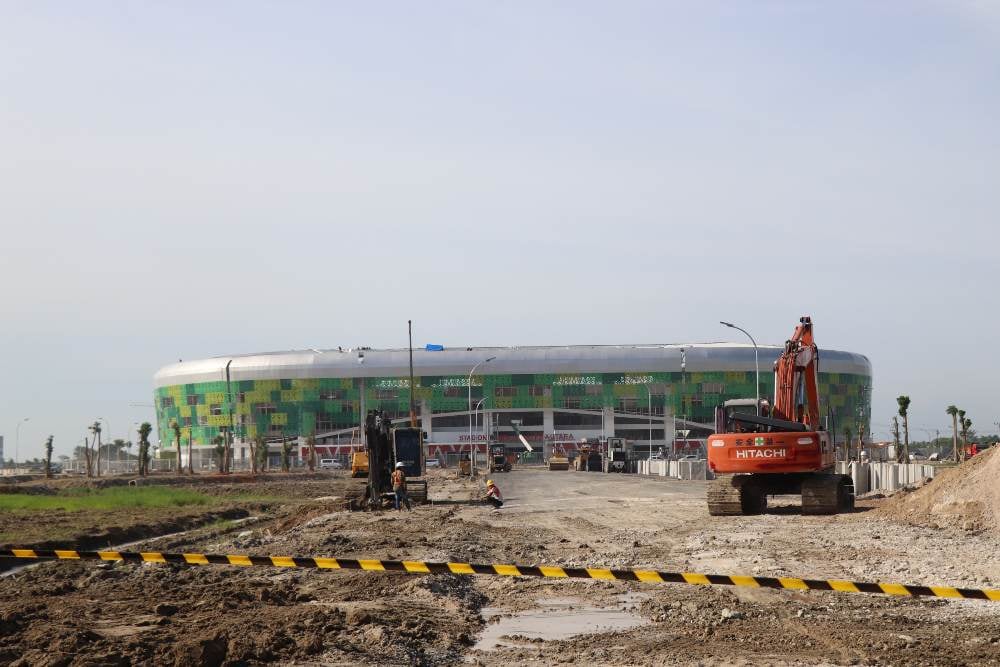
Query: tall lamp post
point(756, 363)
point(472, 450)
point(17, 440)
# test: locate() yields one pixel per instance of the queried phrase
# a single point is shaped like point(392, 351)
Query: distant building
point(559, 395)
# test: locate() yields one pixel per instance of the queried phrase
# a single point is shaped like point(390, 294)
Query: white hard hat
point(400, 464)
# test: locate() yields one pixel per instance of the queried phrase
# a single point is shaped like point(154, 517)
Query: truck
point(760, 449)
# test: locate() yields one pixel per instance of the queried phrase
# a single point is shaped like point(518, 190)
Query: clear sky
point(181, 180)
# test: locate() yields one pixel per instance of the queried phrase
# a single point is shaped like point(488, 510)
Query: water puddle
point(555, 618)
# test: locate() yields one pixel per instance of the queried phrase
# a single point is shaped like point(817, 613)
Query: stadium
point(658, 396)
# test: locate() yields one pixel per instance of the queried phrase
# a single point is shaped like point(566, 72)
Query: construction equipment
point(760, 450)
point(588, 456)
point(359, 464)
point(498, 459)
point(619, 455)
point(558, 459)
point(384, 448)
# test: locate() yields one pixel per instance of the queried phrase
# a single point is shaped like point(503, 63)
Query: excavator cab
point(727, 416)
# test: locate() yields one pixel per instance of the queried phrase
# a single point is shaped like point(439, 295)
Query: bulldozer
point(779, 448)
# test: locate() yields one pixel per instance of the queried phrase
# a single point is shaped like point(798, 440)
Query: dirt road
point(78, 613)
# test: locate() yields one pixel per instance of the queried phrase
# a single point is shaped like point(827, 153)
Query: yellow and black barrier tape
point(558, 572)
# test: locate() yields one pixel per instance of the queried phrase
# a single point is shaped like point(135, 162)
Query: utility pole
point(413, 412)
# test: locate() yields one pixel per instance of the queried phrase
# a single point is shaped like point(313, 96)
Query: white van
point(330, 464)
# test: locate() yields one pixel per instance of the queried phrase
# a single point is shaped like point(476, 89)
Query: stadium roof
point(567, 359)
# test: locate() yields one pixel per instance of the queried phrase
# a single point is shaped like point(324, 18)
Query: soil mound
point(967, 497)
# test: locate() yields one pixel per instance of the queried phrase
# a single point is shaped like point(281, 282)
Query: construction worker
point(399, 487)
point(493, 495)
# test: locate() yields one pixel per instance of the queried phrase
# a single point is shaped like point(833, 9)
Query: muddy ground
point(89, 613)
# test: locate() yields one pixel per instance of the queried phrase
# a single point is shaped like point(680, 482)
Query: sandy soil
point(86, 613)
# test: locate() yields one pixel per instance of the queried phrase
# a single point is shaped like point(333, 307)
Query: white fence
point(867, 477)
point(877, 476)
point(676, 469)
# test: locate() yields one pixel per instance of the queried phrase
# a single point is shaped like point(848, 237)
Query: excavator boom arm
point(796, 386)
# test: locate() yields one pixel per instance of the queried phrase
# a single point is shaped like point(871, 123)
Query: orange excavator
point(776, 450)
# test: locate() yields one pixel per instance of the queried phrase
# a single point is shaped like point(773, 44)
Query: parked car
point(690, 457)
point(330, 464)
point(432, 463)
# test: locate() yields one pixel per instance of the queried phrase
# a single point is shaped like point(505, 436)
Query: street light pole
point(472, 451)
point(480, 424)
point(756, 363)
point(649, 413)
point(17, 440)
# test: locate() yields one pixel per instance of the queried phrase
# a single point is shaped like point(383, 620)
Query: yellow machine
point(558, 460)
point(359, 464)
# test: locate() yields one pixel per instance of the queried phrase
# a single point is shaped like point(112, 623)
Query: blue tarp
point(431, 347)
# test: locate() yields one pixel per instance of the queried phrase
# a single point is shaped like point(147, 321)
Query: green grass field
point(78, 500)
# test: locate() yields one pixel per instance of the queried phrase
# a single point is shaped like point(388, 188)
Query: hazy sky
point(181, 180)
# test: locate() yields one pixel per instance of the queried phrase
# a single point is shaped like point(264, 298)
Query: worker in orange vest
point(493, 495)
point(399, 487)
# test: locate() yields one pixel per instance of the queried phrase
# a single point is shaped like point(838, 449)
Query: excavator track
point(735, 495)
point(827, 494)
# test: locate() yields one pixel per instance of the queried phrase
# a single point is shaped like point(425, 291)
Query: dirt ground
point(89, 613)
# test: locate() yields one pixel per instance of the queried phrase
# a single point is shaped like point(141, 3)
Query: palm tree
point(286, 453)
point(904, 408)
point(144, 430)
point(94, 428)
point(953, 411)
point(190, 458)
point(220, 451)
point(311, 442)
point(48, 457)
point(177, 436)
point(262, 454)
point(258, 453)
point(961, 431)
point(966, 426)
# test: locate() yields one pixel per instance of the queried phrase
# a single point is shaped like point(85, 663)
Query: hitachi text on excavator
point(760, 450)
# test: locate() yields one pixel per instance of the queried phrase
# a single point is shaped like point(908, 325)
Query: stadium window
point(276, 428)
point(187, 421)
point(332, 394)
point(571, 420)
point(346, 407)
point(454, 392)
point(242, 397)
point(539, 390)
point(713, 388)
point(167, 402)
point(628, 405)
point(386, 394)
point(264, 408)
point(504, 392)
point(192, 399)
point(215, 408)
point(203, 420)
point(324, 422)
point(595, 389)
point(571, 403)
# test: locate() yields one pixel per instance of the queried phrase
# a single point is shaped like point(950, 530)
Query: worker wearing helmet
point(399, 487)
point(493, 495)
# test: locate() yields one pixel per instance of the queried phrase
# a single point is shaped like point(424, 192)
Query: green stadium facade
point(659, 396)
